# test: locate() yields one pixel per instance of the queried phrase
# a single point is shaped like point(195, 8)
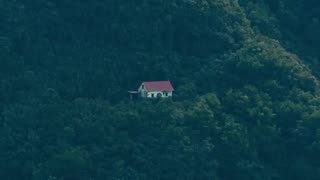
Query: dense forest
point(246, 103)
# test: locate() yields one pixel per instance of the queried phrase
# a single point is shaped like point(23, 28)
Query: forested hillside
point(246, 103)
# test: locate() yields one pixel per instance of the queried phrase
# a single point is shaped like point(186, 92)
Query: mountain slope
point(246, 104)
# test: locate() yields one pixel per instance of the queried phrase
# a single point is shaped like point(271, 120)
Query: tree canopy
point(246, 103)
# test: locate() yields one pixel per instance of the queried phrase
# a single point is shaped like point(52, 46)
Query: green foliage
point(246, 103)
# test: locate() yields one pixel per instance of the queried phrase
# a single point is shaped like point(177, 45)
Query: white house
point(154, 89)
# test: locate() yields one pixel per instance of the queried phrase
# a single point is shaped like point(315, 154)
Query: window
point(152, 95)
point(142, 87)
point(166, 94)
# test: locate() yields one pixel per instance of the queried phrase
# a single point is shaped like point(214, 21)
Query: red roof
point(158, 86)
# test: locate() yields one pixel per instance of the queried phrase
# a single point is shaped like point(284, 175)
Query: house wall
point(155, 93)
point(143, 92)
